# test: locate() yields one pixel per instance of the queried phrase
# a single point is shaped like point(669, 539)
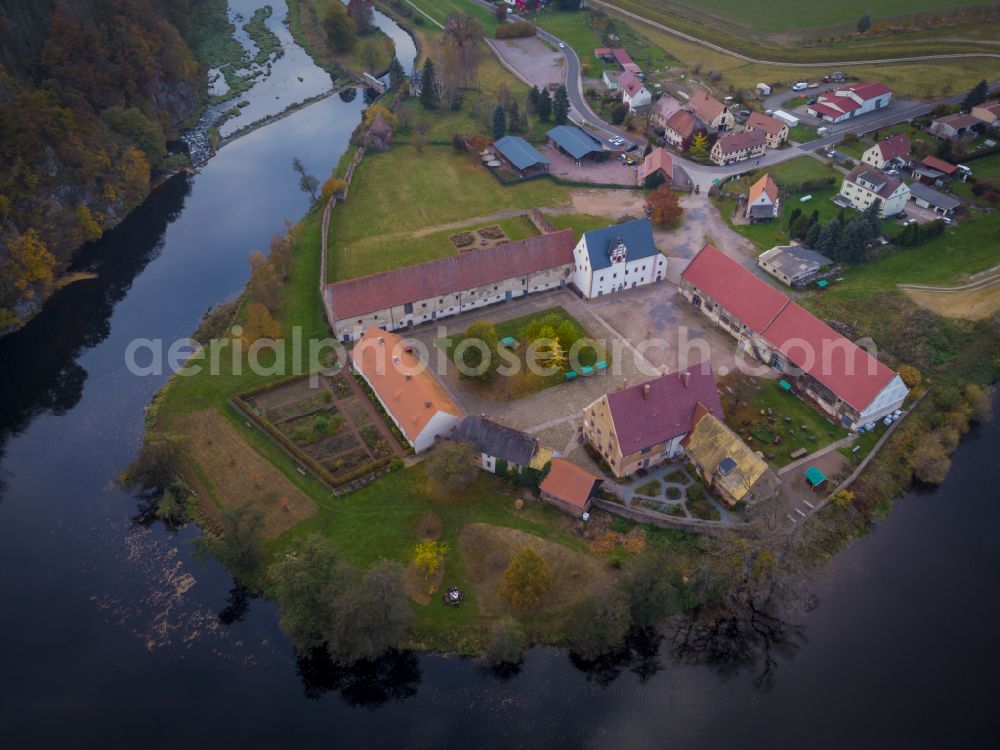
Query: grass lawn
point(798, 170)
point(397, 193)
point(987, 168)
point(855, 150)
point(579, 223)
point(802, 133)
point(372, 53)
point(524, 383)
point(441, 10)
point(864, 443)
point(805, 427)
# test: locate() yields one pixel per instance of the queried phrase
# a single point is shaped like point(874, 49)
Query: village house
point(409, 392)
point(736, 147)
point(987, 113)
point(642, 426)
point(496, 442)
point(617, 257)
point(569, 487)
point(850, 101)
point(792, 264)
point(634, 93)
point(712, 112)
point(892, 152)
point(837, 376)
point(610, 78)
point(954, 126)
point(662, 110)
point(620, 56)
point(934, 171)
point(762, 201)
point(727, 464)
point(657, 162)
point(405, 297)
point(925, 197)
point(520, 156)
point(775, 130)
point(679, 129)
point(865, 184)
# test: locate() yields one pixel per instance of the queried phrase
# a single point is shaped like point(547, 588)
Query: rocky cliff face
point(90, 91)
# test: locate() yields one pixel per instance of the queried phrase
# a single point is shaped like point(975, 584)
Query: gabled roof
point(835, 361)
point(752, 300)
point(405, 386)
point(705, 106)
point(764, 186)
point(733, 142)
point(887, 184)
point(682, 122)
point(714, 446)
point(568, 482)
point(825, 109)
point(920, 190)
point(437, 278)
point(630, 84)
point(894, 147)
point(519, 152)
point(574, 141)
point(657, 159)
point(868, 90)
point(939, 164)
point(771, 125)
point(958, 121)
point(993, 108)
point(795, 259)
point(662, 408)
point(495, 439)
point(637, 236)
point(665, 106)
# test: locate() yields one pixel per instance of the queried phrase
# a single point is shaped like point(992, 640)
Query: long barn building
point(840, 377)
point(395, 300)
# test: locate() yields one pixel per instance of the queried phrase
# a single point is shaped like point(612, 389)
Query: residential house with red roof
point(403, 297)
point(662, 109)
point(410, 393)
point(634, 93)
point(643, 426)
point(850, 101)
point(775, 130)
point(716, 115)
point(762, 200)
point(569, 487)
point(736, 147)
point(679, 129)
point(863, 185)
point(892, 152)
point(839, 377)
point(657, 162)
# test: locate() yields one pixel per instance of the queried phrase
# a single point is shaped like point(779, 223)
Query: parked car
point(800, 86)
point(562, 45)
point(811, 100)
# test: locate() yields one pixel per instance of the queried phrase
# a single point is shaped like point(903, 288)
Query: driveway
point(609, 172)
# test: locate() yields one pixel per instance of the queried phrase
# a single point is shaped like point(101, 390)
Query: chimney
point(645, 391)
point(408, 376)
point(687, 378)
point(427, 404)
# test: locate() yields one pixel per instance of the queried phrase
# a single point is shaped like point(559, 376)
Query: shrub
point(507, 643)
point(515, 30)
point(526, 580)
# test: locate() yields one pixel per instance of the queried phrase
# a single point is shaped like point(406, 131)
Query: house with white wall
point(617, 257)
point(863, 185)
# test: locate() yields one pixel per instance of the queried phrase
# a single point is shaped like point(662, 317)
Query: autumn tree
point(264, 285)
point(259, 324)
point(341, 30)
point(89, 228)
point(28, 266)
point(842, 499)
point(428, 555)
point(526, 581)
point(333, 187)
point(929, 460)
point(451, 466)
point(911, 375)
point(699, 146)
point(663, 206)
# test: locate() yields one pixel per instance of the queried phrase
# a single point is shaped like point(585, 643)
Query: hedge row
point(515, 30)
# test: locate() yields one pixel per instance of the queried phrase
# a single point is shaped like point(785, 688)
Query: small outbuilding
point(815, 477)
point(569, 487)
point(520, 155)
point(575, 142)
point(940, 203)
point(793, 264)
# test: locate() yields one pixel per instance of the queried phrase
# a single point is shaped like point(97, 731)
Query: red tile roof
point(663, 408)
point(437, 278)
point(894, 146)
point(752, 300)
point(568, 482)
point(759, 121)
point(682, 122)
point(629, 83)
point(734, 142)
point(765, 185)
point(869, 90)
point(939, 164)
point(842, 366)
point(705, 106)
point(823, 109)
point(658, 159)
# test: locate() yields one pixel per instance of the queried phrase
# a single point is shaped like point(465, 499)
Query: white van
point(800, 86)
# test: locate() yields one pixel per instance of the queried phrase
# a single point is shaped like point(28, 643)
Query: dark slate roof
point(919, 190)
point(496, 440)
point(637, 236)
point(762, 212)
point(519, 152)
point(574, 141)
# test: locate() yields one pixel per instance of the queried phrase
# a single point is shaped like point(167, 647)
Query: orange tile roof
point(766, 186)
point(705, 106)
point(406, 387)
point(568, 482)
point(771, 125)
point(658, 159)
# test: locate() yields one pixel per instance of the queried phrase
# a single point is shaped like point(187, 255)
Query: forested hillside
point(90, 91)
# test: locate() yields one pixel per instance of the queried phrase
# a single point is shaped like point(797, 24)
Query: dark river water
point(112, 635)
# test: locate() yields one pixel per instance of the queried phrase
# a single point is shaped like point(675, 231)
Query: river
point(112, 635)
